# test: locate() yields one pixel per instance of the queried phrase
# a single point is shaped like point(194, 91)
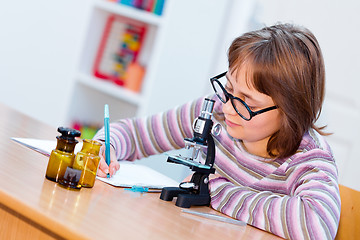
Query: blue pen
point(107, 136)
point(142, 189)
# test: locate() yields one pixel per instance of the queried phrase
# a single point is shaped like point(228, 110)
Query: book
point(153, 6)
point(158, 7)
point(129, 175)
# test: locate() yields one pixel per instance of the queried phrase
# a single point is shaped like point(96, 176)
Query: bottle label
point(71, 178)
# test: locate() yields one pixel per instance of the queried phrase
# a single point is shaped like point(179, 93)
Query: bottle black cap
point(68, 133)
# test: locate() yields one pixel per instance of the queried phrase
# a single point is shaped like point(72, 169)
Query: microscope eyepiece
point(207, 108)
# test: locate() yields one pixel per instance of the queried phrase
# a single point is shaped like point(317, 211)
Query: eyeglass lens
point(237, 104)
point(219, 91)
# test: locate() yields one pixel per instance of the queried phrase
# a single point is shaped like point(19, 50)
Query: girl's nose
point(228, 108)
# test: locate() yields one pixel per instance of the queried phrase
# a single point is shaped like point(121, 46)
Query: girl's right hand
point(104, 169)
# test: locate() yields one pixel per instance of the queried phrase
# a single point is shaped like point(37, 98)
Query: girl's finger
point(114, 166)
point(103, 168)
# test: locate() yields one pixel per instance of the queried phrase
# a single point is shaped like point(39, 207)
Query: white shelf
point(176, 43)
point(130, 12)
point(109, 88)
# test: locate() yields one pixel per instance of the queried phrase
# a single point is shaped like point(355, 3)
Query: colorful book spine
point(158, 7)
point(127, 2)
point(154, 6)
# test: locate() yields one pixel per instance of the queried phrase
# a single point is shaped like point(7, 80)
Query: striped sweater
point(294, 198)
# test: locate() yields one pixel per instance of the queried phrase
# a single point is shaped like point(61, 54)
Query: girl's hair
point(284, 62)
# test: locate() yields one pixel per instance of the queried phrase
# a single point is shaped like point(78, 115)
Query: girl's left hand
point(213, 176)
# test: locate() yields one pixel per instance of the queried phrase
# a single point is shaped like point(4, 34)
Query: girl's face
point(256, 132)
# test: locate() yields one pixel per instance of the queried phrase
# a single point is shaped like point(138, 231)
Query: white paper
point(129, 175)
point(42, 146)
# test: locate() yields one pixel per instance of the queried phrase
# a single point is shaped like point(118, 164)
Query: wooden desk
point(32, 207)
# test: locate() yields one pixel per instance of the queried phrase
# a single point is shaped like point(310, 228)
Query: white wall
point(39, 47)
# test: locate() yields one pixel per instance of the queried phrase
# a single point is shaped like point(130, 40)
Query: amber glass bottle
point(63, 155)
point(88, 160)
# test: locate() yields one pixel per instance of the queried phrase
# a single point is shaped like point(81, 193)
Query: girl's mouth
point(231, 124)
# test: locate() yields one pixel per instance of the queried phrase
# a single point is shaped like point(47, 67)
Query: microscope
point(196, 192)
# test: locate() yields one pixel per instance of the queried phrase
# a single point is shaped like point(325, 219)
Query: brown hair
point(285, 62)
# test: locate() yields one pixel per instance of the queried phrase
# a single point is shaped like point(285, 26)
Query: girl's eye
point(227, 88)
point(252, 108)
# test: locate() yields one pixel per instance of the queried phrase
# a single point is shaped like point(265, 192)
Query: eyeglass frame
point(229, 96)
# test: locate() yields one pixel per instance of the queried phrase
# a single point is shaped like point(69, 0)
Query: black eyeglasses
point(239, 105)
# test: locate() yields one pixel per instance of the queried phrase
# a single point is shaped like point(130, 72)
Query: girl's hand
point(213, 176)
point(188, 178)
point(104, 169)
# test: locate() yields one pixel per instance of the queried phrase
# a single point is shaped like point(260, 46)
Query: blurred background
point(48, 51)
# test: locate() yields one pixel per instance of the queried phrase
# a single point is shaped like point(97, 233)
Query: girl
point(275, 170)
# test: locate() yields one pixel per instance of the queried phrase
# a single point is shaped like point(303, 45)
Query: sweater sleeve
point(136, 138)
point(307, 208)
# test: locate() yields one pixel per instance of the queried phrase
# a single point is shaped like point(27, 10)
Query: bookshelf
point(177, 52)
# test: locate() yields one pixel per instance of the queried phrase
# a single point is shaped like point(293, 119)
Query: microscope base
point(185, 199)
point(168, 193)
